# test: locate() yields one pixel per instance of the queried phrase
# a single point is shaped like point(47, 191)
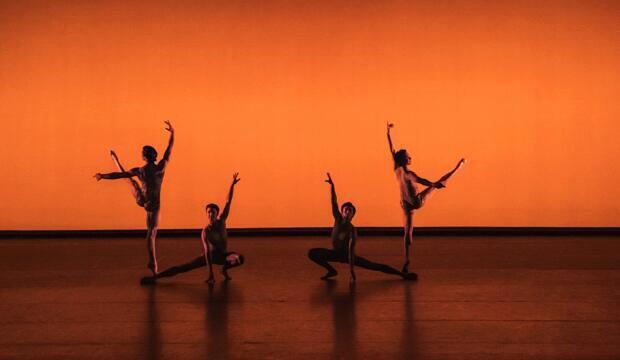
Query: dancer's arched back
point(146, 195)
point(410, 198)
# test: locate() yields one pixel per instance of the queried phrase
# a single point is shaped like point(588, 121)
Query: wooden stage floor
point(477, 298)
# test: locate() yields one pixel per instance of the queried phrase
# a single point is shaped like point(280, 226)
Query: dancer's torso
point(217, 237)
point(151, 176)
point(408, 190)
point(341, 235)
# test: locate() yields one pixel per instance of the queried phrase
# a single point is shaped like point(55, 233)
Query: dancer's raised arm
point(226, 210)
point(170, 129)
point(334, 199)
point(389, 126)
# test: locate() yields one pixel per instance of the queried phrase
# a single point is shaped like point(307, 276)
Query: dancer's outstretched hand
point(97, 176)
point(236, 178)
point(389, 126)
point(329, 179)
point(440, 185)
point(169, 126)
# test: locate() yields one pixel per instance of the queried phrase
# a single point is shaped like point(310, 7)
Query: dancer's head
point(212, 211)
point(149, 153)
point(402, 158)
point(348, 211)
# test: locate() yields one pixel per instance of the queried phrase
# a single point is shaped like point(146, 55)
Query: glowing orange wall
point(284, 91)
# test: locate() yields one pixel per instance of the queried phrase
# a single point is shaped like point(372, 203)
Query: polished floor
point(477, 298)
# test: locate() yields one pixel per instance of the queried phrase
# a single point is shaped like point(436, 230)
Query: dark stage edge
point(325, 231)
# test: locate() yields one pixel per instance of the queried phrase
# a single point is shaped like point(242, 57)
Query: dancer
point(214, 244)
point(410, 198)
point(147, 196)
point(344, 237)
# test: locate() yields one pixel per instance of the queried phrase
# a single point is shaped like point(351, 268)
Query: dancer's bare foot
point(405, 269)
point(225, 275)
point(153, 267)
point(148, 280)
point(330, 274)
point(410, 276)
point(210, 280)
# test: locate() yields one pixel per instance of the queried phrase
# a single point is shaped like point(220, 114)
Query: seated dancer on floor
point(344, 236)
point(410, 198)
point(214, 243)
point(151, 176)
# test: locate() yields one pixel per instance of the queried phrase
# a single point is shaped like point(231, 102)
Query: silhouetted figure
point(410, 198)
point(151, 176)
point(214, 243)
point(344, 237)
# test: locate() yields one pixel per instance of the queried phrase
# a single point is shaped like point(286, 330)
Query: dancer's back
point(151, 176)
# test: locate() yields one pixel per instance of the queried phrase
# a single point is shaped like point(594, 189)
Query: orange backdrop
point(284, 91)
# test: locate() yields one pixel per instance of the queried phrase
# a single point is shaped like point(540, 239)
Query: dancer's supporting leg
point(322, 256)
point(408, 236)
point(136, 189)
point(152, 222)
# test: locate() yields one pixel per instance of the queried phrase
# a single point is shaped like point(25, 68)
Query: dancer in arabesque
point(410, 198)
point(146, 194)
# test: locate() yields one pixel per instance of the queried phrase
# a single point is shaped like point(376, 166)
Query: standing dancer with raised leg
point(410, 198)
point(147, 196)
point(344, 238)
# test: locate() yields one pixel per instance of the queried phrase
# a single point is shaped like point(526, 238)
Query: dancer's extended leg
point(367, 264)
point(175, 270)
point(426, 192)
point(136, 189)
point(445, 178)
point(152, 219)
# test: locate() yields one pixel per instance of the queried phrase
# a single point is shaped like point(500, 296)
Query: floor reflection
point(373, 323)
point(217, 320)
point(153, 330)
point(215, 299)
point(345, 322)
point(408, 345)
